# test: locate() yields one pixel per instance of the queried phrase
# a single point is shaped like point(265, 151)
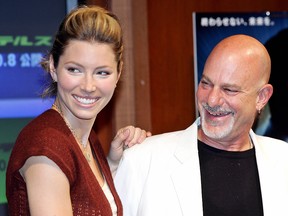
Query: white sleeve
point(130, 179)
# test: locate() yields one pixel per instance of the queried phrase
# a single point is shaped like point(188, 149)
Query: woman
point(57, 166)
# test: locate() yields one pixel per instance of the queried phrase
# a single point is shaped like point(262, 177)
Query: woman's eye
point(103, 73)
point(74, 70)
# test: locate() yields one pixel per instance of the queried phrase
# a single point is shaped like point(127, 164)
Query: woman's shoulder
point(46, 135)
point(48, 118)
point(49, 125)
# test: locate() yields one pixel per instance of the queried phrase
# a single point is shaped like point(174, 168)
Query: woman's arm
point(48, 187)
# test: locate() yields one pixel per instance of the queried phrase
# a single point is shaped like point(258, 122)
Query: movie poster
point(270, 28)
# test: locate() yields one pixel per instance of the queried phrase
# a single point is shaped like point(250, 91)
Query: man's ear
point(52, 69)
point(264, 95)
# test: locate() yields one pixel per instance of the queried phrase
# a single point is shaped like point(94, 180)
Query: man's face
point(226, 97)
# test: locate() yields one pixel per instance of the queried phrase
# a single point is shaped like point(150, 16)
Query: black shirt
point(230, 182)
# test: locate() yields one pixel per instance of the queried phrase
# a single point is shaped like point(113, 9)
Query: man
point(217, 166)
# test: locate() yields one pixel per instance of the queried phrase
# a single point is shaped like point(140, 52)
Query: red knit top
point(48, 135)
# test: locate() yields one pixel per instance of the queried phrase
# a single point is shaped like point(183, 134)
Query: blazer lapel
point(186, 178)
point(272, 182)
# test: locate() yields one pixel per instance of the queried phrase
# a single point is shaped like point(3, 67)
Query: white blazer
point(161, 177)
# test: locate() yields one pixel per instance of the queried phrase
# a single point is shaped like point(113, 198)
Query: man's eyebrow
point(223, 85)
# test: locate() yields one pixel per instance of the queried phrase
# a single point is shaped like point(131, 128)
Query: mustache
point(216, 109)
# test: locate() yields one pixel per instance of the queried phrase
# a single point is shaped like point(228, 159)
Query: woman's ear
point(119, 72)
point(52, 69)
point(264, 95)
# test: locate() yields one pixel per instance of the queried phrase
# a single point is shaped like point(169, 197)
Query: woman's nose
point(88, 83)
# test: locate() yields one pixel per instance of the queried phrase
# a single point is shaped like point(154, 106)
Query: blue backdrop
point(26, 33)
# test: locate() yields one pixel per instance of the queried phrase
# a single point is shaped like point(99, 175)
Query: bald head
point(246, 54)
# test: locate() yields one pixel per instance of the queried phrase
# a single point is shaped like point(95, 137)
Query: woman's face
point(86, 77)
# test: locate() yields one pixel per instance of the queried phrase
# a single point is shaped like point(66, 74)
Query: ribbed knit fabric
point(48, 135)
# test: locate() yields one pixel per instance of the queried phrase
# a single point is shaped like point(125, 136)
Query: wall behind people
point(161, 78)
point(171, 54)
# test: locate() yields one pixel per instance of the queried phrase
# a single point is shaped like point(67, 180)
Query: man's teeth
point(218, 114)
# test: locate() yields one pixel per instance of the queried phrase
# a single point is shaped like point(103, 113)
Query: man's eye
point(204, 83)
point(231, 90)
